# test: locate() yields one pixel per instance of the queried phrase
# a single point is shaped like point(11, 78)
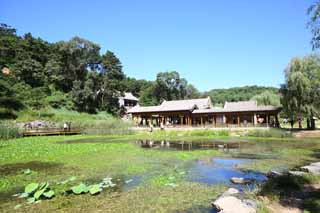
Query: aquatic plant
point(35, 191)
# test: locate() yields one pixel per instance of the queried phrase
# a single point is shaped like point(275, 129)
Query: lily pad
point(44, 185)
point(95, 189)
point(38, 193)
point(49, 194)
point(81, 188)
point(31, 188)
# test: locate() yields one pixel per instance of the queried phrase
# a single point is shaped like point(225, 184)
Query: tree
point(78, 56)
point(192, 92)
point(314, 24)
point(267, 98)
point(169, 86)
point(9, 102)
point(30, 71)
point(301, 89)
point(112, 87)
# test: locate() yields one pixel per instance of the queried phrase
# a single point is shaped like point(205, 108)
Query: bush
point(268, 133)
point(8, 130)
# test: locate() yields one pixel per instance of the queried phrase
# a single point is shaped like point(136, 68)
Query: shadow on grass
point(293, 191)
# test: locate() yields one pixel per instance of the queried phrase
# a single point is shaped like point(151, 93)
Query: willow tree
point(300, 93)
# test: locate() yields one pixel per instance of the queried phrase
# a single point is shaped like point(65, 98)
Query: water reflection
point(190, 145)
point(221, 170)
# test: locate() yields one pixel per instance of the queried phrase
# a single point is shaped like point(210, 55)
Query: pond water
point(213, 170)
point(191, 145)
point(221, 170)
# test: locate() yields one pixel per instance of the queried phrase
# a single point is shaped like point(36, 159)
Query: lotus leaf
point(38, 193)
point(81, 188)
point(95, 189)
point(31, 188)
point(44, 185)
point(49, 194)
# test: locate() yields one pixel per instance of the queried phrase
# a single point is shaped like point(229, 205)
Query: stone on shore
point(230, 191)
point(237, 180)
point(314, 169)
point(297, 173)
point(273, 174)
point(231, 204)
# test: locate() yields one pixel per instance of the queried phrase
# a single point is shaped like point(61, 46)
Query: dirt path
point(307, 133)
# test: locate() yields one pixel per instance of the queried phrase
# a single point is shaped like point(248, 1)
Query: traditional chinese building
point(128, 100)
point(200, 112)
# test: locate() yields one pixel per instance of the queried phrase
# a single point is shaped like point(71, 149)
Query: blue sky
point(213, 44)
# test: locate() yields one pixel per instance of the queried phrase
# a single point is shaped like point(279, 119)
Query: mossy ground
point(90, 158)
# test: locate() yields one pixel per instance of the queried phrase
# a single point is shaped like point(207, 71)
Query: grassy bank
point(101, 123)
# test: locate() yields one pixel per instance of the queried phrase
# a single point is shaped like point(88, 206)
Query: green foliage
point(313, 24)
point(79, 189)
point(220, 96)
point(31, 188)
point(267, 98)
point(300, 93)
point(9, 130)
point(95, 189)
point(269, 133)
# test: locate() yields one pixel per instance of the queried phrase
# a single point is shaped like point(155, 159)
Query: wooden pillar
point(254, 119)
point(277, 120)
point(267, 118)
point(238, 117)
point(181, 120)
point(215, 121)
point(201, 120)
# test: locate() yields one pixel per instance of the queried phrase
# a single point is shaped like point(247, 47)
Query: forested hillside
point(73, 75)
point(219, 96)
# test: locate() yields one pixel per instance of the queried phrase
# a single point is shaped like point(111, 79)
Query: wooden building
point(128, 101)
point(200, 112)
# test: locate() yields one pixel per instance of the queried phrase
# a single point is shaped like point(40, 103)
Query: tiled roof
point(129, 96)
point(177, 105)
point(240, 106)
point(204, 105)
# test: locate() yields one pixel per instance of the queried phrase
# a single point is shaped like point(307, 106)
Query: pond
point(184, 145)
point(166, 175)
point(212, 170)
point(221, 170)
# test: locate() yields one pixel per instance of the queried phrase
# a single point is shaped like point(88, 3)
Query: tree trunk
point(308, 123)
point(313, 123)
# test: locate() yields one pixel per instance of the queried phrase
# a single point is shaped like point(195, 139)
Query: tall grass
point(269, 133)
point(8, 130)
point(190, 133)
point(101, 123)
